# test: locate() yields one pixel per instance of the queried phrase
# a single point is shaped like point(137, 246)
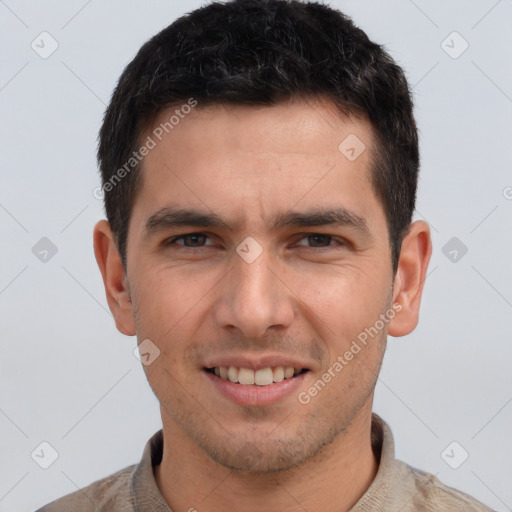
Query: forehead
point(228, 158)
point(308, 126)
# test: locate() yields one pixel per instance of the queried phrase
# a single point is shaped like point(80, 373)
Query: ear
point(410, 278)
point(114, 278)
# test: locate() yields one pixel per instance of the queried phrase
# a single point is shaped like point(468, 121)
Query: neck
point(333, 480)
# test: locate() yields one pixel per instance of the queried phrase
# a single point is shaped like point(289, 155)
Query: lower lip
point(253, 395)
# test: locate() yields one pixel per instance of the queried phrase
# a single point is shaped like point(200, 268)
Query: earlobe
point(114, 278)
point(410, 278)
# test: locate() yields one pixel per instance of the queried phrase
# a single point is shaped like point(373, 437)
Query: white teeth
point(233, 374)
point(246, 376)
point(278, 374)
point(261, 377)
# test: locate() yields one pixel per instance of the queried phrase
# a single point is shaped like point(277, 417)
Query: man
point(259, 161)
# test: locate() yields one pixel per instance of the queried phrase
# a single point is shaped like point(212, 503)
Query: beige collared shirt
point(397, 486)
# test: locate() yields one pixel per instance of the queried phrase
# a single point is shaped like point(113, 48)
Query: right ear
point(114, 278)
point(410, 277)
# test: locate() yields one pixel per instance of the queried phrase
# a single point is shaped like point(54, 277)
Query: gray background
point(69, 378)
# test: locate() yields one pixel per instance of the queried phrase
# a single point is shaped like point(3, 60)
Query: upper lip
point(256, 362)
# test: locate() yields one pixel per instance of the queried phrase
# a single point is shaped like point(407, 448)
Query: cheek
point(167, 295)
point(174, 307)
point(347, 299)
point(346, 308)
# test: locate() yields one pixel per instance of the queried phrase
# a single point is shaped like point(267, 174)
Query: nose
point(254, 297)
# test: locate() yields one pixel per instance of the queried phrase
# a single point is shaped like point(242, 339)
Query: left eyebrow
point(168, 218)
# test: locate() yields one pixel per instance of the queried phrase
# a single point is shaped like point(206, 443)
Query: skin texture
point(303, 297)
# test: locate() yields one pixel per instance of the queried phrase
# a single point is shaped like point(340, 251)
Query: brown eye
point(190, 240)
point(319, 240)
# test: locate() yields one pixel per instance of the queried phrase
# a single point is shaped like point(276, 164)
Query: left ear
point(410, 278)
point(114, 278)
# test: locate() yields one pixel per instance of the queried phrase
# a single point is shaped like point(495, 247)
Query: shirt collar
point(145, 492)
point(383, 446)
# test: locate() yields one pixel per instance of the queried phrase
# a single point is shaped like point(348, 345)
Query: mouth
point(260, 377)
point(257, 386)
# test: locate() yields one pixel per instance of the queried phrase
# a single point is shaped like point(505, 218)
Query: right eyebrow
point(339, 217)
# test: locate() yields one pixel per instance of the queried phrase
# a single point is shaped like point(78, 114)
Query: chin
point(251, 460)
point(260, 457)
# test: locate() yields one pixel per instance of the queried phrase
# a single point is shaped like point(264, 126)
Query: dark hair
point(260, 52)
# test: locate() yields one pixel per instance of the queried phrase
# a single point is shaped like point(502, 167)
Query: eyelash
point(171, 241)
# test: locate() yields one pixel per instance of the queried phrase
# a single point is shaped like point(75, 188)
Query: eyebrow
point(168, 218)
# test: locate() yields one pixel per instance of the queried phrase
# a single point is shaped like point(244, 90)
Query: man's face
point(257, 293)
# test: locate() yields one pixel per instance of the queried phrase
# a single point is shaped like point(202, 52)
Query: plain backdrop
point(68, 378)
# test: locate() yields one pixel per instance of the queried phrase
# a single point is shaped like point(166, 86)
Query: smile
point(260, 377)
